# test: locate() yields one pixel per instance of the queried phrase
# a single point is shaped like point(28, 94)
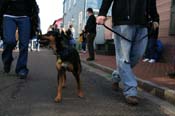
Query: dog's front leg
point(59, 88)
point(64, 80)
point(79, 87)
point(60, 78)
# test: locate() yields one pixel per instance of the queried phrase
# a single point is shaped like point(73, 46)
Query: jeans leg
point(115, 74)
point(9, 41)
point(138, 47)
point(153, 48)
point(90, 39)
point(84, 46)
point(123, 59)
point(24, 37)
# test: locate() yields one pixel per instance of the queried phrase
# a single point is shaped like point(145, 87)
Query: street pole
point(85, 7)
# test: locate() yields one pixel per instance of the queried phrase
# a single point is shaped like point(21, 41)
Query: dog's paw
point(80, 94)
point(57, 99)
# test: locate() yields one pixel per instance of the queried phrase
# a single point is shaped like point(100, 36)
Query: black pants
point(90, 44)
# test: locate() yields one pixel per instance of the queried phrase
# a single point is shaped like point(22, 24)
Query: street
point(35, 96)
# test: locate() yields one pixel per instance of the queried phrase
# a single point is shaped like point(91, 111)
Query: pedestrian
point(70, 36)
point(21, 15)
point(65, 37)
point(79, 41)
point(151, 49)
point(90, 30)
point(72, 29)
point(83, 42)
point(129, 19)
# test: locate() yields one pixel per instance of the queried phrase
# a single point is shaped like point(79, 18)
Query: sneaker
point(90, 59)
point(115, 86)
point(22, 75)
point(145, 60)
point(132, 100)
point(152, 61)
point(84, 52)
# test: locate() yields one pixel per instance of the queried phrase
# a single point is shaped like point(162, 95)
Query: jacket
point(91, 25)
point(19, 7)
point(130, 12)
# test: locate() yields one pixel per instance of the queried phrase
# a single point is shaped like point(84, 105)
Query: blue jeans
point(151, 49)
point(84, 45)
point(9, 29)
point(128, 55)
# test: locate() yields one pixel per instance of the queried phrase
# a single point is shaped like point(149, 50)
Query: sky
point(50, 10)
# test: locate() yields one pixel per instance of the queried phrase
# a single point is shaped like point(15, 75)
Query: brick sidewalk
point(156, 72)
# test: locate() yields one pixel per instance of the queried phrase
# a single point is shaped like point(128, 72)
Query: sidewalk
point(151, 77)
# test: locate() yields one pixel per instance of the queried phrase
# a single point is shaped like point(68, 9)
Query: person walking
point(90, 30)
point(151, 53)
point(83, 42)
point(21, 14)
point(70, 34)
point(129, 19)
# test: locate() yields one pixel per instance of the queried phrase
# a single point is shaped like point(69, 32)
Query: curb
point(163, 93)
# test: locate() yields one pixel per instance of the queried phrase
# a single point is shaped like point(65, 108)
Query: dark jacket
point(129, 12)
point(21, 8)
point(91, 25)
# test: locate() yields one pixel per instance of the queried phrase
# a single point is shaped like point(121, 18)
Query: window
point(172, 19)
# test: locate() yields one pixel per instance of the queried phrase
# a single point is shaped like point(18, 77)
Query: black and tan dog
point(68, 59)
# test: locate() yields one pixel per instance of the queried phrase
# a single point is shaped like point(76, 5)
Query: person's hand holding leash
point(100, 20)
point(155, 25)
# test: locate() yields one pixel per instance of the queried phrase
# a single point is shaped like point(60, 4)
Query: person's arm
point(35, 8)
point(103, 11)
point(154, 14)
point(105, 7)
point(3, 7)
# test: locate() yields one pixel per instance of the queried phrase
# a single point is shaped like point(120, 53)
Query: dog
point(68, 59)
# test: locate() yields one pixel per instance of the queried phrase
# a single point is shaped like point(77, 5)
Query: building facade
point(166, 9)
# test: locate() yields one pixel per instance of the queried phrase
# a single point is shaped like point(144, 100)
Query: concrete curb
point(152, 88)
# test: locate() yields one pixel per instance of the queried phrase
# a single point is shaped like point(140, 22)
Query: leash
point(123, 36)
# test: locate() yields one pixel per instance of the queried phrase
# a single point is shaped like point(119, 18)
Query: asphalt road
point(35, 96)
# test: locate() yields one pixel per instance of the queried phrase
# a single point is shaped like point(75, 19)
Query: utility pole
point(85, 7)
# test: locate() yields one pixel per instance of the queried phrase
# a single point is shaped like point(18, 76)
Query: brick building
point(166, 9)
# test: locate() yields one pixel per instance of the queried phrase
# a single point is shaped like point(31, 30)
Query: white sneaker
point(84, 52)
point(145, 60)
point(152, 61)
